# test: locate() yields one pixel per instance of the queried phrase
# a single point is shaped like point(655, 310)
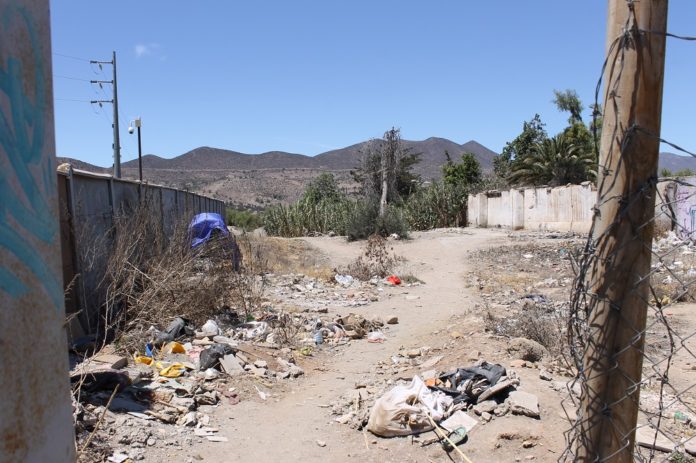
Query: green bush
point(245, 220)
point(436, 206)
point(365, 221)
point(307, 217)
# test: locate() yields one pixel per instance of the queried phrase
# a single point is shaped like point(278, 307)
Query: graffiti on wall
point(27, 175)
point(685, 209)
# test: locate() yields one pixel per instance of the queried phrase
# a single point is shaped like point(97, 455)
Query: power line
point(71, 99)
point(71, 78)
point(71, 57)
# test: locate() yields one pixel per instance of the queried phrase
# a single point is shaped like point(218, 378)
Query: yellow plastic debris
point(142, 359)
point(173, 347)
point(173, 371)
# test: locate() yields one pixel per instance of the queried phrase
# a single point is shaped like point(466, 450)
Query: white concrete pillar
point(35, 410)
point(517, 200)
point(482, 210)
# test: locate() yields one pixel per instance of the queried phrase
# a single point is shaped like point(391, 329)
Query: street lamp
point(137, 123)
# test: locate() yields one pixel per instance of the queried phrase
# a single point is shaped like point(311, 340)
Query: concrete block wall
point(566, 208)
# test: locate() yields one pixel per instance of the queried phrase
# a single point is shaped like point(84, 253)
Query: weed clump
point(376, 261)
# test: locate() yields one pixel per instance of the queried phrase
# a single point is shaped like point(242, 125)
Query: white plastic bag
point(404, 410)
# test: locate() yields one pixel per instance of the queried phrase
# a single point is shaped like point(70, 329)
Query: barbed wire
point(664, 398)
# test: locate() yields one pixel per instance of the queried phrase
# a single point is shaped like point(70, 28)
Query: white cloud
point(142, 49)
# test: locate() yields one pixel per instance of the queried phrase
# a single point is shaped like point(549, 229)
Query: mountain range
point(258, 180)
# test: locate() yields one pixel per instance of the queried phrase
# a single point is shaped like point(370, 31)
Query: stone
point(413, 354)
point(518, 363)
point(486, 417)
point(217, 438)
point(545, 375)
point(524, 403)
point(112, 360)
point(499, 387)
point(151, 441)
point(261, 364)
point(231, 365)
point(431, 362)
point(459, 419)
point(526, 349)
point(502, 409)
point(257, 371)
point(296, 371)
point(528, 444)
point(392, 320)
point(487, 406)
point(321, 443)
point(645, 437)
point(428, 374)
point(225, 340)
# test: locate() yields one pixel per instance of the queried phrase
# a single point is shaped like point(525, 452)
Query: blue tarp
point(202, 226)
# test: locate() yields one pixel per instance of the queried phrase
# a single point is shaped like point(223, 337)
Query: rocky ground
point(487, 297)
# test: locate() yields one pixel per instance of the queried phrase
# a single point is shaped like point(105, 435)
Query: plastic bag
point(210, 358)
point(173, 371)
point(394, 280)
point(344, 280)
point(404, 410)
point(173, 347)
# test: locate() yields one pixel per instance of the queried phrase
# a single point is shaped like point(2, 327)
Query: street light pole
point(140, 151)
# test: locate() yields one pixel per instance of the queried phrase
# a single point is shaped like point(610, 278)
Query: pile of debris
point(451, 400)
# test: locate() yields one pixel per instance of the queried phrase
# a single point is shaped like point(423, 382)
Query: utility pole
point(617, 287)
point(114, 102)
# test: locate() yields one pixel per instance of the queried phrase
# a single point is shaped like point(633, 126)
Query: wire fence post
point(617, 283)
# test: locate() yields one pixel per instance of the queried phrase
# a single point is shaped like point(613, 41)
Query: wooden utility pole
point(617, 286)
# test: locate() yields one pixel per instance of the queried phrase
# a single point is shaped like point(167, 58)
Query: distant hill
point(258, 180)
point(676, 162)
point(207, 158)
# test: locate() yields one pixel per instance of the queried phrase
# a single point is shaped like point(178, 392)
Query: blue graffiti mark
point(23, 140)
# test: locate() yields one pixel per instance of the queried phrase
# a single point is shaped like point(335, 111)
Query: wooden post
point(623, 230)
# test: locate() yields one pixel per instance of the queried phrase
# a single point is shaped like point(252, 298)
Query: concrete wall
point(567, 208)
point(89, 204)
point(35, 409)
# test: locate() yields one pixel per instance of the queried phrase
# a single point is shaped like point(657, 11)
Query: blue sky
point(308, 76)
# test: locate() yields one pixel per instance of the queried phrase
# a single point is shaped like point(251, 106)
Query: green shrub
point(437, 205)
point(307, 217)
point(245, 220)
point(365, 221)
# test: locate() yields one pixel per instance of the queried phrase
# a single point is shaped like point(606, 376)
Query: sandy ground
point(287, 427)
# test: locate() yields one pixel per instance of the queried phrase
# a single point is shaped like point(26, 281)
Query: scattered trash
point(210, 358)
point(173, 347)
point(177, 328)
point(344, 280)
point(210, 328)
point(404, 410)
point(173, 371)
point(394, 280)
point(376, 337)
point(262, 394)
point(467, 384)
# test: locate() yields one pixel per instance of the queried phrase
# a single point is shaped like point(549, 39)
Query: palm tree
point(553, 162)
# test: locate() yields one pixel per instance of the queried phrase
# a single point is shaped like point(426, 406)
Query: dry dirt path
point(286, 428)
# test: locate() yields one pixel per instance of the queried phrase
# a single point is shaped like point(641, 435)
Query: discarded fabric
point(467, 384)
point(404, 410)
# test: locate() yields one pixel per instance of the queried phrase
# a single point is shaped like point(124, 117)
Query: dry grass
point(153, 277)
point(377, 260)
point(538, 322)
